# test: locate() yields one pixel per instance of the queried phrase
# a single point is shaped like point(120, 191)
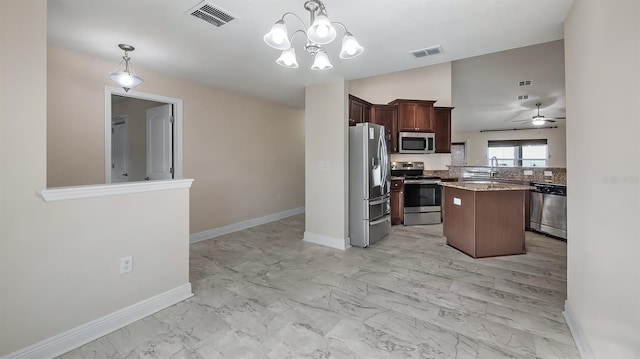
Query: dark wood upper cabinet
point(415, 115)
point(442, 127)
point(359, 110)
point(387, 116)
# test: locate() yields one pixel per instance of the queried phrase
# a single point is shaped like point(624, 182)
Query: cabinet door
point(442, 129)
point(397, 202)
point(387, 116)
point(356, 112)
point(407, 117)
point(424, 116)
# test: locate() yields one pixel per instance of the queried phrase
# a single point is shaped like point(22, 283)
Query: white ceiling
point(169, 41)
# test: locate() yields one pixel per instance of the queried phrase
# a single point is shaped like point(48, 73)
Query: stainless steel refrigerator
point(369, 185)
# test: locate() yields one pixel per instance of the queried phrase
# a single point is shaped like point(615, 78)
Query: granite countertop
point(471, 186)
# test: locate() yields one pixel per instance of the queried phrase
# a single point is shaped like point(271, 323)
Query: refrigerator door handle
point(383, 154)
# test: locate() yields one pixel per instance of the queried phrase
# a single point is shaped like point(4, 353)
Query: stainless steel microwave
point(416, 142)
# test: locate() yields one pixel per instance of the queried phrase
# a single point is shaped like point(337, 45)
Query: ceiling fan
point(539, 120)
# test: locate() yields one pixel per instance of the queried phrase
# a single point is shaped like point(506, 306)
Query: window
point(519, 153)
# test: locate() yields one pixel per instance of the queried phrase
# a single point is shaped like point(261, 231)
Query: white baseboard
point(333, 242)
point(82, 334)
point(216, 232)
point(576, 331)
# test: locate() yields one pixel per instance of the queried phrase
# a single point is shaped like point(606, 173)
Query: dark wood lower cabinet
point(397, 202)
point(484, 223)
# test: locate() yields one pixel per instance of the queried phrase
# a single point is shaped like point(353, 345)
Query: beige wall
point(477, 143)
point(423, 83)
point(327, 165)
point(60, 261)
point(246, 155)
point(136, 111)
point(603, 157)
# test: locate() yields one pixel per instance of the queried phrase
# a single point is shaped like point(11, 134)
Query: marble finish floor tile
point(265, 293)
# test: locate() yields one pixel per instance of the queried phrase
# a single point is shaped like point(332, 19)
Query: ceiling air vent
point(435, 50)
point(525, 83)
point(523, 97)
point(211, 13)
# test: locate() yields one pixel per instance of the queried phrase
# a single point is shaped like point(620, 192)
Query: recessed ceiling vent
point(429, 51)
point(525, 83)
point(211, 13)
point(523, 97)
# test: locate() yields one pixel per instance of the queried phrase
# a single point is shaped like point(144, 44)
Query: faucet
point(493, 172)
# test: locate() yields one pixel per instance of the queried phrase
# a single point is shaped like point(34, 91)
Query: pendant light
point(126, 79)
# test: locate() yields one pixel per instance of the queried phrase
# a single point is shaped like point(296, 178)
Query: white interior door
point(160, 142)
point(120, 149)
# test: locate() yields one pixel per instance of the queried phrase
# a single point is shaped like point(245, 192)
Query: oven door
point(422, 197)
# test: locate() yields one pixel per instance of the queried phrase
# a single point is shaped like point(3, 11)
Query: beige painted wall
point(477, 143)
point(603, 157)
point(59, 262)
point(246, 155)
point(136, 111)
point(327, 164)
point(423, 83)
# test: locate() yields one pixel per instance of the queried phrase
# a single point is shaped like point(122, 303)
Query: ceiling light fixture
point(125, 79)
point(321, 32)
point(538, 120)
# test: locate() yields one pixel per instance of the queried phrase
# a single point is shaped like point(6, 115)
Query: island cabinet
point(415, 115)
point(359, 110)
point(397, 201)
point(387, 116)
point(484, 220)
point(442, 129)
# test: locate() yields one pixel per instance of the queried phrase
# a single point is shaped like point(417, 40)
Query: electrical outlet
point(548, 173)
point(528, 172)
point(126, 264)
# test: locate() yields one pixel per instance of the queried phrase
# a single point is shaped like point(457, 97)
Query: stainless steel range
point(422, 194)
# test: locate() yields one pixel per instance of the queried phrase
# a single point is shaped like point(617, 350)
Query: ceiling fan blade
point(522, 121)
point(556, 118)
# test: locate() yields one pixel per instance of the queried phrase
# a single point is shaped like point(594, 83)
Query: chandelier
point(125, 78)
point(321, 32)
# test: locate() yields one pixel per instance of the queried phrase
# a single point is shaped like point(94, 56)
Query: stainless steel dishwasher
point(548, 209)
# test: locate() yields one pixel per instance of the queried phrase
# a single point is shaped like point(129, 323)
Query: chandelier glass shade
point(288, 58)
point(321, 61)
point(125, 78)
point(320, 32)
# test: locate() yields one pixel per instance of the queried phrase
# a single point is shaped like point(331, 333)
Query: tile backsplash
point(557, 174)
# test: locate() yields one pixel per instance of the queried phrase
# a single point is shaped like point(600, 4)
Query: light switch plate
point(457, 201)
point(548, 173)
point(528, 172)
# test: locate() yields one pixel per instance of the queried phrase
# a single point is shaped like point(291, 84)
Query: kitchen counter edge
point(482, 187)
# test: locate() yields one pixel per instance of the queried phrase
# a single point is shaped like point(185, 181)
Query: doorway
point(120, 156)
point(153, 147)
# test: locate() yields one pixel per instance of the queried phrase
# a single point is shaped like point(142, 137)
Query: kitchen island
point(484, 219)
